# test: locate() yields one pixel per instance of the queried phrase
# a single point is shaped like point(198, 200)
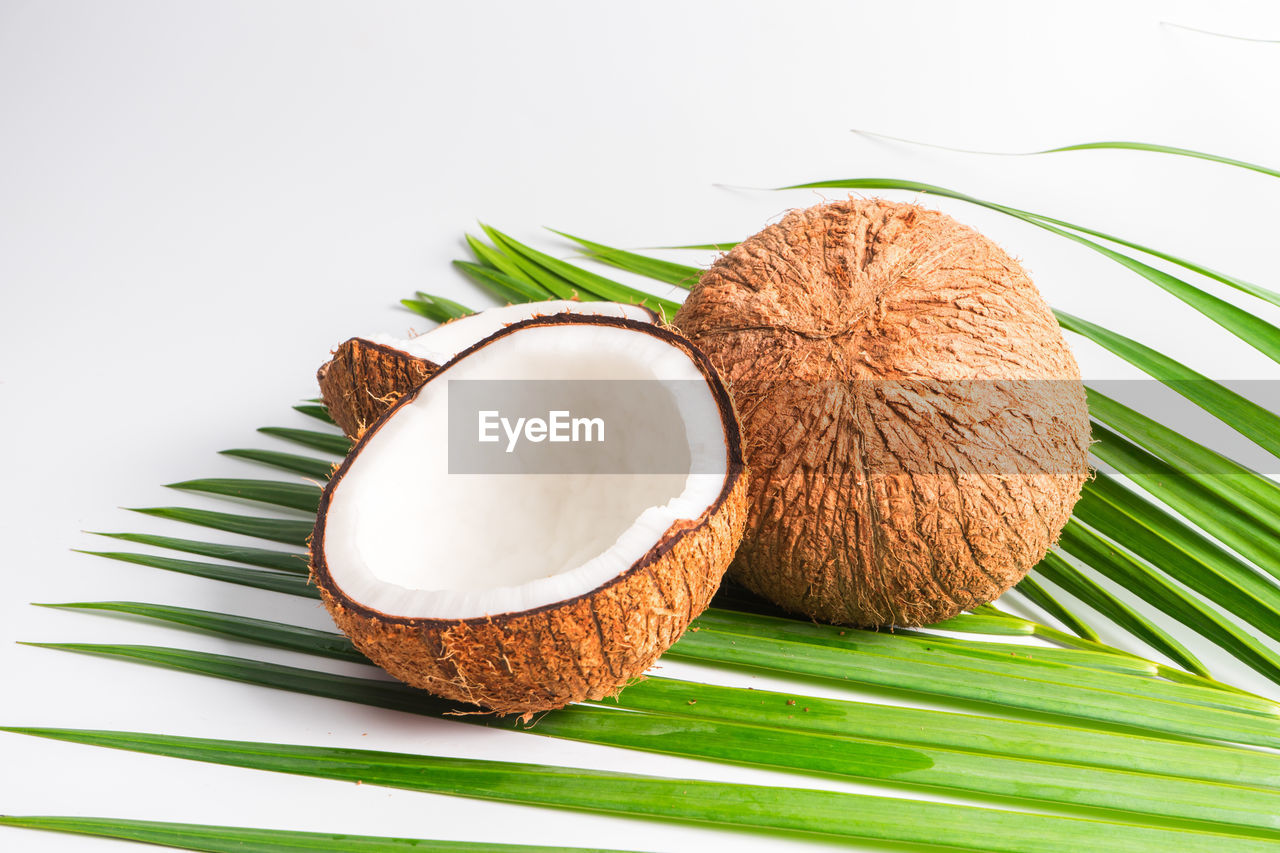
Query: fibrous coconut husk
point(365, 379)
point(914, 420)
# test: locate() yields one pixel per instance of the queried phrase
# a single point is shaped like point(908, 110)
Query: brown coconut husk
point(364, 379)
point(585, 648)
point(914, 420)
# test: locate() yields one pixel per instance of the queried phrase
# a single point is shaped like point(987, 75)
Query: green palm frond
point(326, 442)
point(1237, 411)
point(800, 811)
point(1031, 589)
point(1105, 146)
point(789, 712)
point(309, 466)
point(236, 839)
point(957, 767)
point(1066, 576)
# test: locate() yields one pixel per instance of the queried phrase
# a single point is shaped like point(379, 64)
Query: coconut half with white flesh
point(562, 573)
point(366, 376)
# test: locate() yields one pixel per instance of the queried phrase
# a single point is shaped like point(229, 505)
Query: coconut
point(520, 588)
point(366, 376)
point(914, 421)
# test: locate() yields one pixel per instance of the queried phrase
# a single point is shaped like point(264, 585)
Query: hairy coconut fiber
point(365, 379)
point(913, 419)
point(584, 648)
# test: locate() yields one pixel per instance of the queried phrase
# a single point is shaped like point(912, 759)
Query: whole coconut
point(914, 421)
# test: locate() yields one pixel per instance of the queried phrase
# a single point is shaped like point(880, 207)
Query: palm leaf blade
point(308, 466)
point(236, 839)
point(285, 561)
point(328, 442)
point(1135, 793)
point(288, 583)
point(299, 496)
point(681, 275)
point(789, 810)
point(272, 529)
point(1062, 573)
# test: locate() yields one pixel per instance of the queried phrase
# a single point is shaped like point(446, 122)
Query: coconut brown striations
point(912, 416)
point(365, 379)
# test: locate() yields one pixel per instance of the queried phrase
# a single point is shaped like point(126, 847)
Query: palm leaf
point(1104, 146)
point(681, 275)
point(923, 656)
point(1180, 551)
point(924, 728)
point(286, 582)
point(308, 466)
point(1231, 505)
point(1218, 35)
point(511, 268)
point(313, 410)
point(1242, 414)
point(567, 281)
point(787, 810)
point(1026, 685)
point(328, 442)
point(271, 529)
point(1042, 598)
point(1135, 794)
point(1111, 560)
point(1163, 149)
point(285, 561)
point(501, 285)
point(236, 839)
point(1062, 573)
point(300, 496)
point(1233, 484)
point(717, 247)
point(979, 623)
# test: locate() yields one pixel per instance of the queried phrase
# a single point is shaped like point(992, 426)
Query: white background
point(198, 200)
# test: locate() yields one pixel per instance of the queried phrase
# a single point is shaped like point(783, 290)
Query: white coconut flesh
point(448, 339)
point(405, 537)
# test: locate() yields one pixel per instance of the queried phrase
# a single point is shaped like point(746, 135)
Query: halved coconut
point(366, 376)
point(529, 588)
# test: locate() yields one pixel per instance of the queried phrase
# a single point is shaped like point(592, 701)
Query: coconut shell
point(363, 380)
point(914, 421)
point(584, 648)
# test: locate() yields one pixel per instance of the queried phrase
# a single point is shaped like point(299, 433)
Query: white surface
point(197, 200)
